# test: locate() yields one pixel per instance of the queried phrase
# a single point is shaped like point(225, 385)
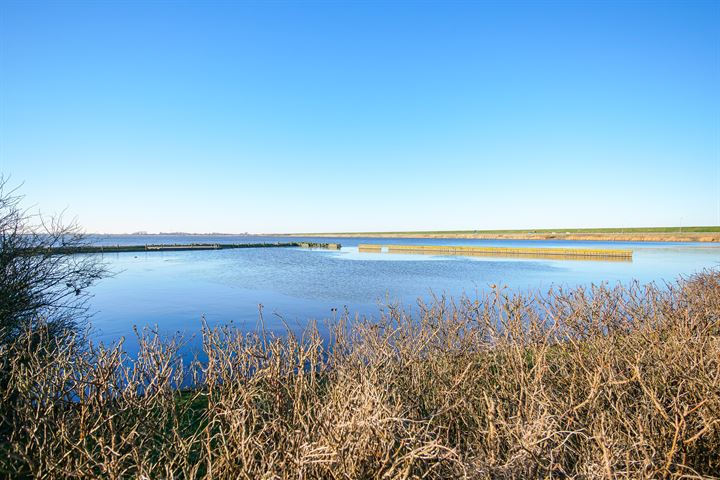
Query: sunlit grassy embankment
point(701, 229)
point(620, 382)
point(656, 234)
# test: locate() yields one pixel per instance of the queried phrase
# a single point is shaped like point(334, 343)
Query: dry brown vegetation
point(609, 382)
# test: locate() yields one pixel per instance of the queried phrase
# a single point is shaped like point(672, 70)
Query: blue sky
point(328, 116)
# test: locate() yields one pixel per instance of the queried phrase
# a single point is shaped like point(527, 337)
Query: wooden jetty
point(188, 246)
point(579, 253)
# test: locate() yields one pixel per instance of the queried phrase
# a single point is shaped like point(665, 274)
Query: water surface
point(176, 290)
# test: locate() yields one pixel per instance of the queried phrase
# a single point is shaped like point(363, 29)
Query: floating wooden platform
point(578, 253)
point(189, 246)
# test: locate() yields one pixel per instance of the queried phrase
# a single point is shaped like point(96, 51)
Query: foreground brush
point(619, 382)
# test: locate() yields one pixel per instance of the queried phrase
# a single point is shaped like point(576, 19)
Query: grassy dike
point(653, 234)
point(705, 229)
point(599, 383)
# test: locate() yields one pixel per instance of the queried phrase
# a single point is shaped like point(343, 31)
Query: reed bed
point(605, 382)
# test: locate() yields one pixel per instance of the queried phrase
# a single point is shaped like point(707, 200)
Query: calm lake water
point(175, 290)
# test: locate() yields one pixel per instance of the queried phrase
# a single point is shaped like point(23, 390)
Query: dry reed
point(606, 382)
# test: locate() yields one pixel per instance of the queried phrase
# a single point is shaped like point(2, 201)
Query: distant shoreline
point(705, 237)
point(706, 234)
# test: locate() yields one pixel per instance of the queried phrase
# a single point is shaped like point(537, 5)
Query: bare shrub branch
point(35, 280)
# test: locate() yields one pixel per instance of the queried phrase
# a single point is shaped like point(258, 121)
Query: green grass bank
point(710, 234)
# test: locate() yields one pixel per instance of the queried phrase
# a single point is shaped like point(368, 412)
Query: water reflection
point(175, 289)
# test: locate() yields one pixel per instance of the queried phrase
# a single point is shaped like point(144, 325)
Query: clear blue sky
point(288, 116)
